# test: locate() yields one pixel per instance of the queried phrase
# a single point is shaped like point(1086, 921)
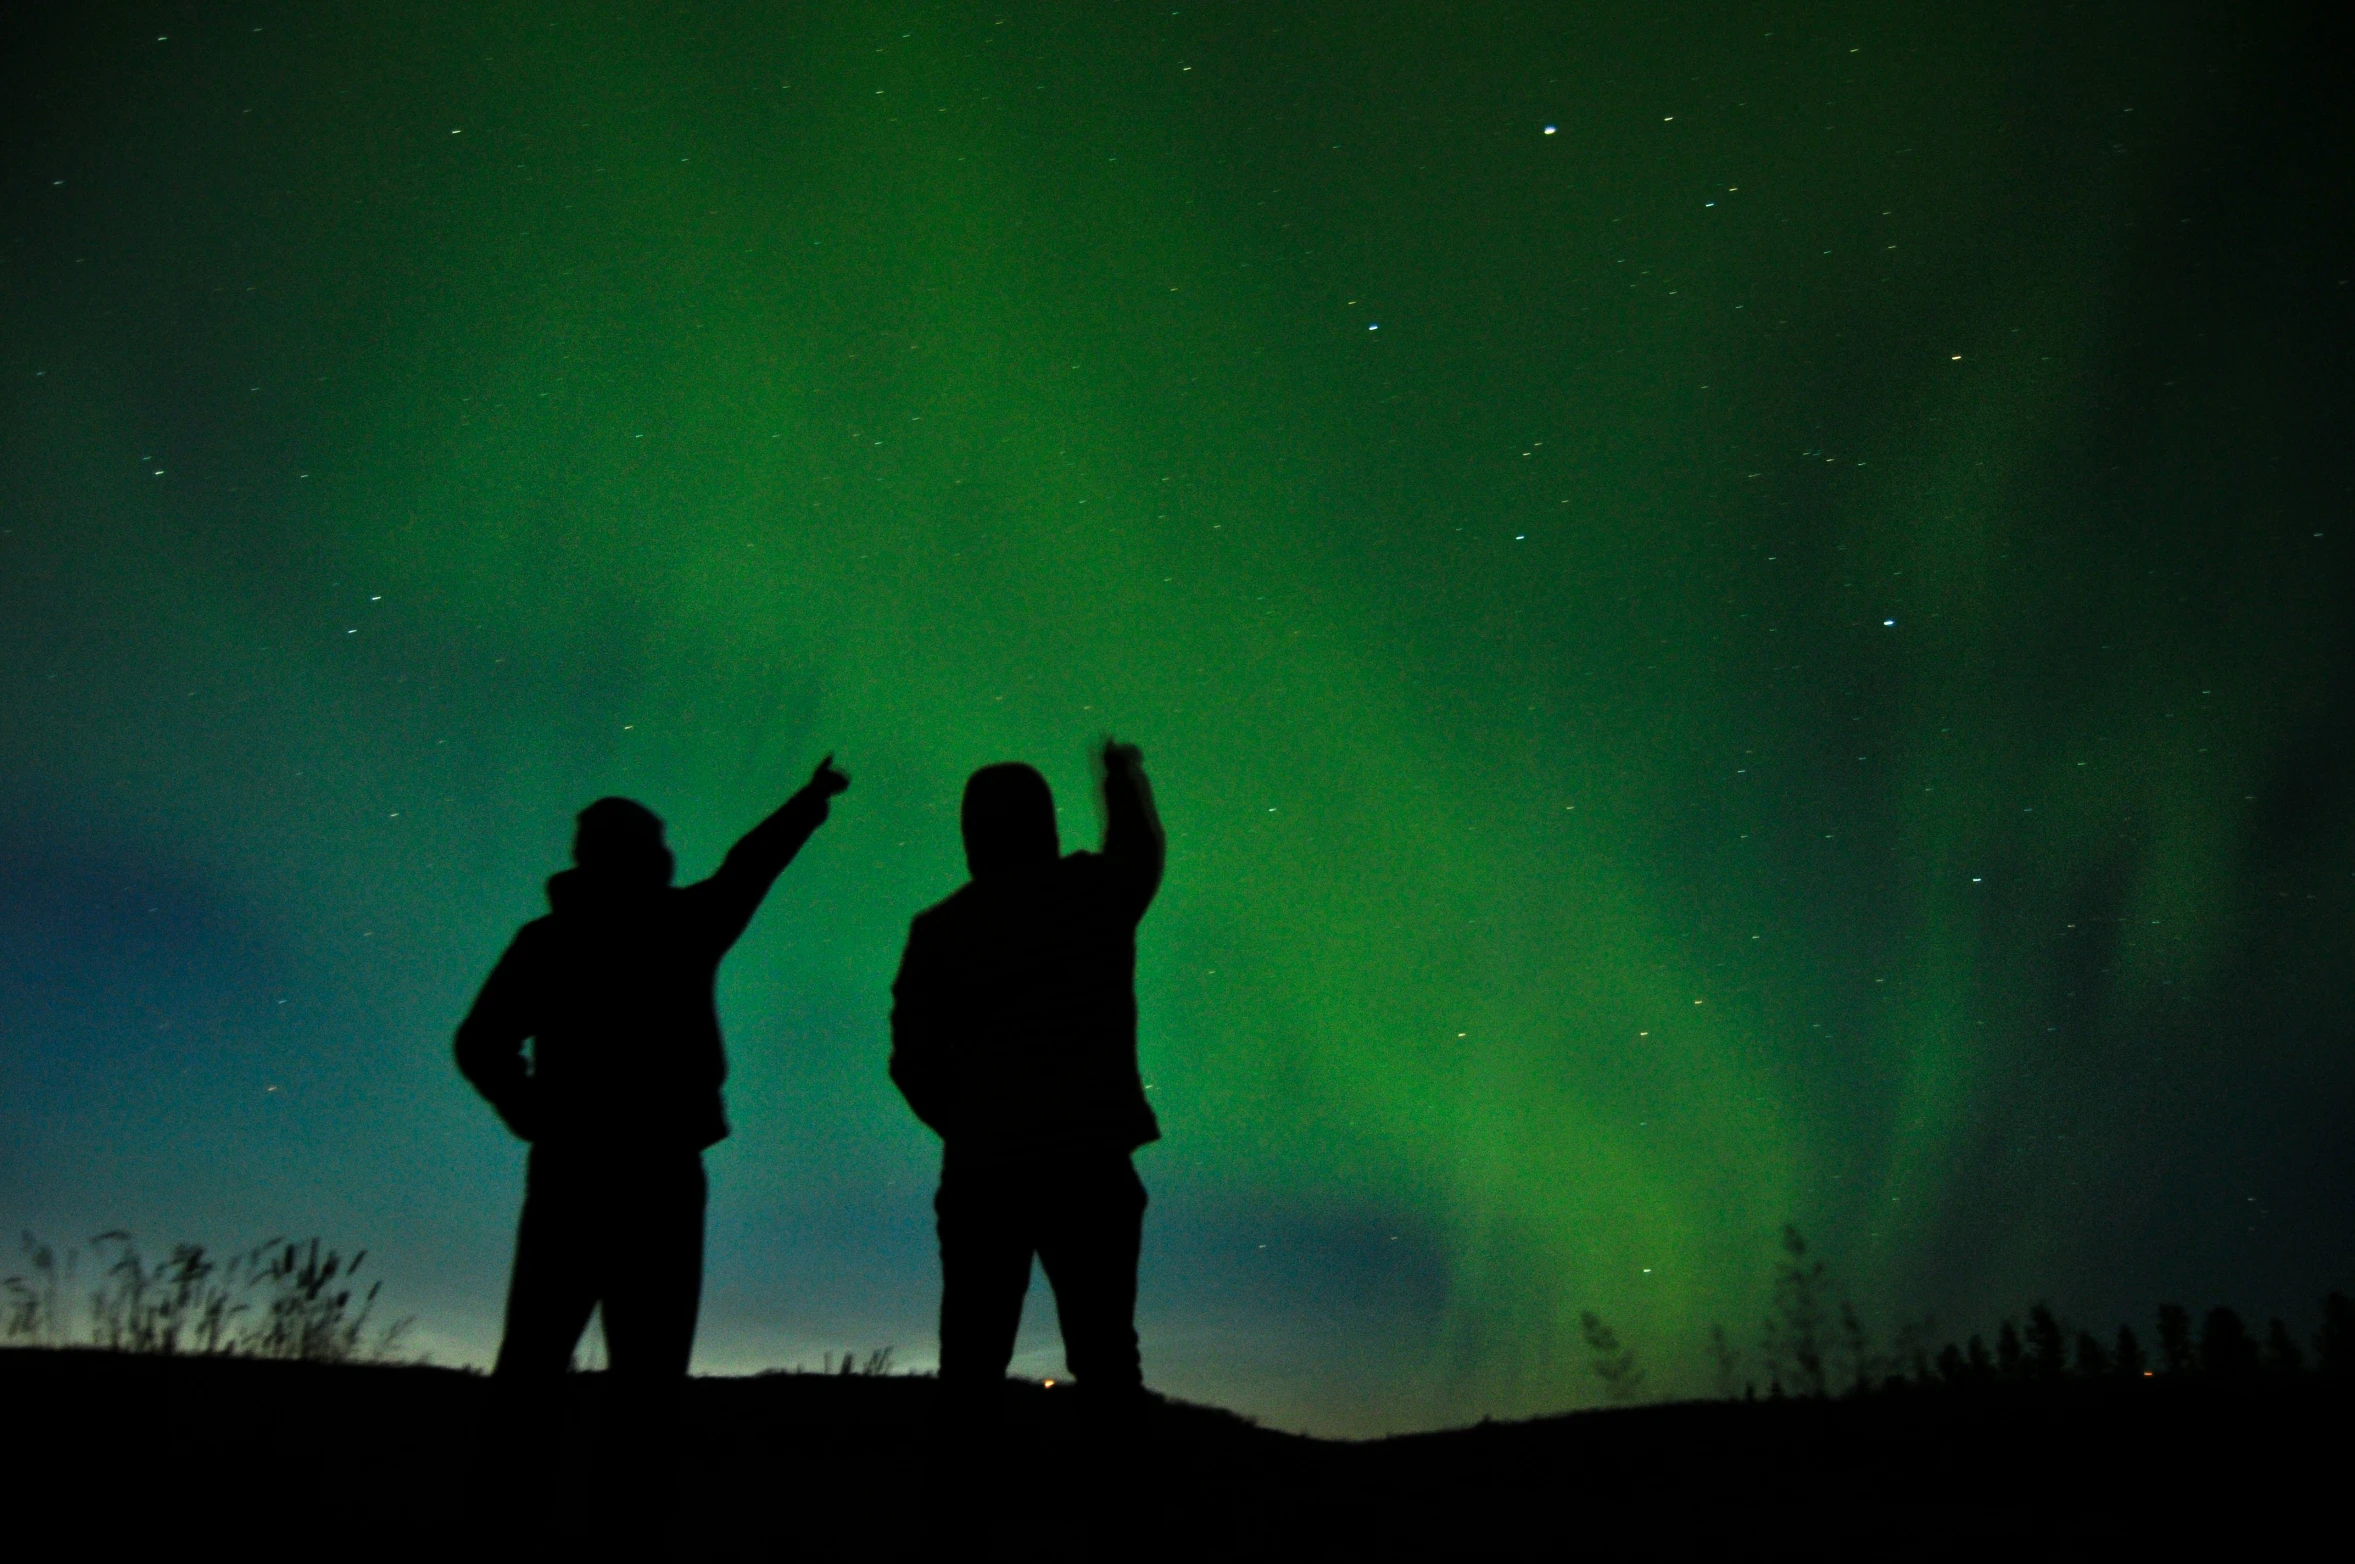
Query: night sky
point(1739, 613)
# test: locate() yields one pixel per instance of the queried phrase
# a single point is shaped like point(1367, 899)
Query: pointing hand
point(826, 781)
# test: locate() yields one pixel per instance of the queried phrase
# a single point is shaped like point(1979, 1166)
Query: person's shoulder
point(539, 935)
point(958, 906)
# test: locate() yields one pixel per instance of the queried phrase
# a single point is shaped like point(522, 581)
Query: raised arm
point(754, 863)
point(491, 1038)
point(1133, 843)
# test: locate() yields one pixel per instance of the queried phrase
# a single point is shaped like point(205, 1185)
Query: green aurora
point(1739, 615)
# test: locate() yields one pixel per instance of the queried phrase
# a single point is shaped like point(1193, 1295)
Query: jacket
point(1014, 1015)
point(613, 989)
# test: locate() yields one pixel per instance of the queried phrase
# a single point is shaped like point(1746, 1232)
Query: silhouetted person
point(613, 989)
point(1014, 1036)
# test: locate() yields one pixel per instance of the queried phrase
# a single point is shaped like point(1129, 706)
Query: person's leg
point(1090, 1235)
point(654, 1291)
point(550, 1295)
point(652, 1257)
point(1088, 1246)
point(985, 1250)
point(553, 1287)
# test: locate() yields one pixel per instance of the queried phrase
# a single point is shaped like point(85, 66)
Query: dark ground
point(257, 1457)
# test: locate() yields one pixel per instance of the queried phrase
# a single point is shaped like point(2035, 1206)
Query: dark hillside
point(226, 1453)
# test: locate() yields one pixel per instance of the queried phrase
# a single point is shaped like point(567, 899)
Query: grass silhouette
point(276, 1300)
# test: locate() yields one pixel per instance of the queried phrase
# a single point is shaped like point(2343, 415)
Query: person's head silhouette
point(620, 840)
point(1009, 820)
